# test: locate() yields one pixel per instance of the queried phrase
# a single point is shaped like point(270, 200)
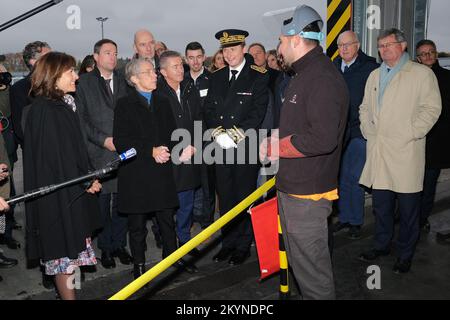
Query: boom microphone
point(113, 165)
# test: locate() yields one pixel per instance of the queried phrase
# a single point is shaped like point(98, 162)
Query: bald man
point(144, 46)
point(355, 67)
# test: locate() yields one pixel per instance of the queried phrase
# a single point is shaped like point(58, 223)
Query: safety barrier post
point(284, 272)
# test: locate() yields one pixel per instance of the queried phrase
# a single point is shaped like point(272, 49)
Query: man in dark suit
point(198, 75)
point(96, 97)
point(236, 102)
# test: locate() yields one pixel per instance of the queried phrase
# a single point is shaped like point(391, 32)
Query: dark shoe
point(138, 270)
point(223, 254)
point(123, 255)
point(443, 237)
point(16, 226)
point(107, 260)
point(354, 232)
point(195, 253)
point(47, 281)
point(402, 266)
point(11, 243)
point(338, 226)
point(158, 239)
point(238, 257)
point(6, 262)
point(372, 255)
point(185, 266)
point(1, 279)
point(425, 227)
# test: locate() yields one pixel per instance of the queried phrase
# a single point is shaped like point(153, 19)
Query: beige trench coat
point(396, 130)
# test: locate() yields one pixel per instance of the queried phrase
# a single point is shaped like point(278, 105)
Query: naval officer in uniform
point(236, 102)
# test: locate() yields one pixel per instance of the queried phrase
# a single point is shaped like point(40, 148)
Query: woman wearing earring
point(59, 225)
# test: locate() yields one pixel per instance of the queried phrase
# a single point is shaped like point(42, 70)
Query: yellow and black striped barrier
point(339, 18)
point(284, 272)
point(193, 243)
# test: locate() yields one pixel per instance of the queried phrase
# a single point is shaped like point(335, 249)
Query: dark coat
point(244, 105)
point(314, 113)
point(144, 185)
point(19, 98)
point(201, 83)
point(57, 224)
point(437, 150)
point(97, 114)
point(186, 175)
point(356, 78)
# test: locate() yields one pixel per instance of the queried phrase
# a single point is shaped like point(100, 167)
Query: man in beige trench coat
point(401, 104)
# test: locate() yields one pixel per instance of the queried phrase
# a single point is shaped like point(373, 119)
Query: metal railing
point(137, 284)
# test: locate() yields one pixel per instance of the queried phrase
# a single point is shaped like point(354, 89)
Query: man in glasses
point(437, 155)
point(356, 67)
point(401, 104)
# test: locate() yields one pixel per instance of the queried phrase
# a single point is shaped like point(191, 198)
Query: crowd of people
point(339, 129)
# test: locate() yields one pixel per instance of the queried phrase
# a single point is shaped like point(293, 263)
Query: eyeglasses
point(388, 44)
point(346, 45)
point(424, 54)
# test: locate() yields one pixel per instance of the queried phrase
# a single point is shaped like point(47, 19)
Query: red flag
point(265, 228)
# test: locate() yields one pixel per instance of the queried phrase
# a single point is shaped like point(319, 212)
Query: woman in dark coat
point(60, 224)
point(143, 120)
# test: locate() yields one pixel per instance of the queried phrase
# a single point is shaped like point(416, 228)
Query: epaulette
point(259, 69)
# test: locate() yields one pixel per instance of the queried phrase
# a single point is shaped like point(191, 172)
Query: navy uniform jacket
point(243, 105)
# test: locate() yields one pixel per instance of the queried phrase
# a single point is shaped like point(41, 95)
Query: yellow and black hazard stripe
point(284, 272)
point(339, 18)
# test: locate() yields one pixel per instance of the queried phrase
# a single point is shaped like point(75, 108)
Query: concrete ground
point(428, 279)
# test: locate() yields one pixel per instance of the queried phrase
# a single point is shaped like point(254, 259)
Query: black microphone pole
point(111, 166)
point(53, 187)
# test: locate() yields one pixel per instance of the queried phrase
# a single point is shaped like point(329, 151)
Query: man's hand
point(95, 187)
point(4, 172)
point(161, 154)
point(187, 153)
point(270, 148)
point(108, 144)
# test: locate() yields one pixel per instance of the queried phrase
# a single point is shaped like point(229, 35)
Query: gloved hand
point(224, 141)
point(236, 134)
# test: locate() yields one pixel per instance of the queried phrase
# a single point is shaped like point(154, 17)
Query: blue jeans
point(184, 215)
point(351, 194)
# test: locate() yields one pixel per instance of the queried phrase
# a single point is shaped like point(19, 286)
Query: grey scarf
point(386, 76)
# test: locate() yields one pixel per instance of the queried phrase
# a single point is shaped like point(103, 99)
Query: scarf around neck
point(387, 76)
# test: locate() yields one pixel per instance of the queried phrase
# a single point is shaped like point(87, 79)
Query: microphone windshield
point(128, 154)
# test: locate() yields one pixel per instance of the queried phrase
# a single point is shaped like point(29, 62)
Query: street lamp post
point(101, 19)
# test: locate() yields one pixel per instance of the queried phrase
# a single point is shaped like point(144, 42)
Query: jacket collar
point(302, 63)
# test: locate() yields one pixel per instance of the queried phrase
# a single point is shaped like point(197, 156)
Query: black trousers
point(428, 193)
point(234, 182)
point(409, 209)
point(138, 233)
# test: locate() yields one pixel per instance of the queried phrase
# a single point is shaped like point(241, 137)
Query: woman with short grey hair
point(143, 120)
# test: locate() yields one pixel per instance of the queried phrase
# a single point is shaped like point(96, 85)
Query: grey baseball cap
point(302, 17)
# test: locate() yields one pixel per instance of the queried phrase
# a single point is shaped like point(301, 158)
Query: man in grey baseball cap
point(312, 125)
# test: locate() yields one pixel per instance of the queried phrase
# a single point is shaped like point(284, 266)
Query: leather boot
point(139, 270)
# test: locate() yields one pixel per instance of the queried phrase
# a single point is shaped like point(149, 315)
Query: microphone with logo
point(97, 174)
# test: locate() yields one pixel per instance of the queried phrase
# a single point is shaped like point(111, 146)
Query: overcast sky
point(174, 22)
